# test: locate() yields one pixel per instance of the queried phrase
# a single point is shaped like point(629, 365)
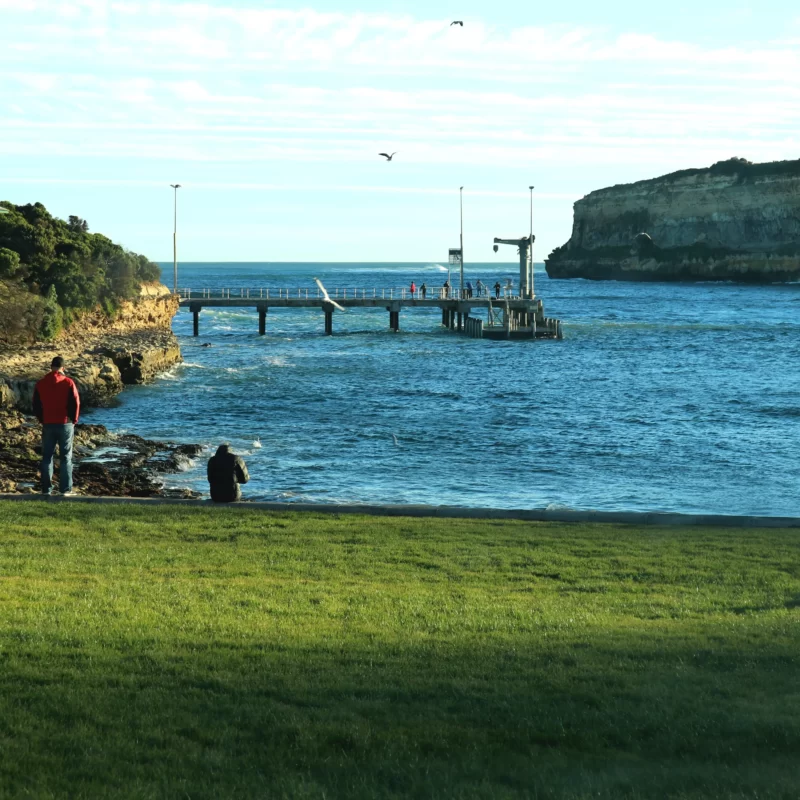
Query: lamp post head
point(531, 188)
point(175, 185)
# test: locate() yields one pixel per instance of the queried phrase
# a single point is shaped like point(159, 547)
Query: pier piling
point(195, 309)
point(262, 320)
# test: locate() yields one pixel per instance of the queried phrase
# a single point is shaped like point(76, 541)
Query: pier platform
point(479, 317)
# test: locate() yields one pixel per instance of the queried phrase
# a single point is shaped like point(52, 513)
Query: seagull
point(387, 156)
point(457, 22)
point(257, 442)
point(325, 296)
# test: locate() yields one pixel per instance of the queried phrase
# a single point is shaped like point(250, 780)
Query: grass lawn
point(214, 653)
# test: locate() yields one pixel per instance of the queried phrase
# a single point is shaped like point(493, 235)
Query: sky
point(271, 116)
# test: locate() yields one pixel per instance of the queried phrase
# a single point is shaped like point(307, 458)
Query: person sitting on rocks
point(57, 405)
point(226, 471)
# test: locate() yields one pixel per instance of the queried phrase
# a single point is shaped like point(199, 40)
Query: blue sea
point(667, 397)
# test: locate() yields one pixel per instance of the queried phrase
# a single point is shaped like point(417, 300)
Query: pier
point(481, 317)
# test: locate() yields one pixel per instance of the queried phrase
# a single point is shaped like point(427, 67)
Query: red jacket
point(56, 399)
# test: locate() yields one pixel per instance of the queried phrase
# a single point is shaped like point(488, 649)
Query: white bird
point(257, 442)
point(325, 296)
point(387, 156)
point(457, 22)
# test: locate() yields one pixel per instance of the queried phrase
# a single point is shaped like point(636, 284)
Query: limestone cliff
point(732, 221)
point(102, 354)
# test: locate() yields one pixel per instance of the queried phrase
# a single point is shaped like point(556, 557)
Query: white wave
point(256, 442)
point(277, 361)
point(193, 365)
point(184, 463)
point(170, 375)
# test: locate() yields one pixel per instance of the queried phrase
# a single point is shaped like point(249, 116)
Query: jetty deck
point(506, 317)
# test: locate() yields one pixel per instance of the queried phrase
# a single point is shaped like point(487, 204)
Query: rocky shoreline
point(102, 357)
point(105, 463)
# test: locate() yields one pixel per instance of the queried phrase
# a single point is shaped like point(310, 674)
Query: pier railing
point(340, 293)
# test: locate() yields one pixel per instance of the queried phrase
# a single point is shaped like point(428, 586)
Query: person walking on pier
point(57, 405)
point(423, 290)
point(413, 289)
point(497, 290)
point(479, 288)
point(446, 289)
point(469, 289)
point(226, 471)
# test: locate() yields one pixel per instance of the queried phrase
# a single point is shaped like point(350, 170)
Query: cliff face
point(732, 221)
point(102, 355)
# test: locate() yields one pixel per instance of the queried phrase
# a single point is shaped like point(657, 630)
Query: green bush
point(21, 314)
point(9, 263)
point(65, 263)
point(52, 317)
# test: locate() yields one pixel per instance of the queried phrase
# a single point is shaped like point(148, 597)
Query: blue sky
point(271, 116)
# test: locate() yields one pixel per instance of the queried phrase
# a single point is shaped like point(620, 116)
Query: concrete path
point(453, 512)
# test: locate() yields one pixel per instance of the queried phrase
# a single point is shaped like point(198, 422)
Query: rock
point(104, 463)
point(732, 221)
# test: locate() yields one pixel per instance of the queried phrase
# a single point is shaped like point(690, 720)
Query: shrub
point(52, 317)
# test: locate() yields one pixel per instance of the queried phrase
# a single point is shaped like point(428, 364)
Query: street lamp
point(531, 245)
point(461, 209)
point(175, 186)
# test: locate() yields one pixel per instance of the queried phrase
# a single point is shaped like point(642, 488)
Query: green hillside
point(51, 268)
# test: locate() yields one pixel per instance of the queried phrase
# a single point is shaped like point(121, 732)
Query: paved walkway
point(454, 512)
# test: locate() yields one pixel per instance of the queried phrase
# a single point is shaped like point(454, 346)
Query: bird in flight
point(387, 156)
point(457, 22)
point(325, 295)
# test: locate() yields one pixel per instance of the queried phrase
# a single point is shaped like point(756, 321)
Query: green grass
point(207, 653)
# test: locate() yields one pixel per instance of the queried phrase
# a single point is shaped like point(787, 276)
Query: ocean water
point(669, 397)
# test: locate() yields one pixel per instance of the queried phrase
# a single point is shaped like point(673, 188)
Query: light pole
point(461, 210)
point(175, 186)
point(531, 244)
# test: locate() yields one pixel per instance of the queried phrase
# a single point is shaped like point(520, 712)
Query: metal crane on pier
point(525, 245)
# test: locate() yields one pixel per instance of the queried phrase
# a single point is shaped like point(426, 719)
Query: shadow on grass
point(605, 717)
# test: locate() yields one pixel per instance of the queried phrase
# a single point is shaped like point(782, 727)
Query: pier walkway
point(507, 317)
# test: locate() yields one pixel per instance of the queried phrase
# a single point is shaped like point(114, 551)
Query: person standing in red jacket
point(57, 406)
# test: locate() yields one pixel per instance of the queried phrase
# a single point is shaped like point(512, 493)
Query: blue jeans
point(54, 434)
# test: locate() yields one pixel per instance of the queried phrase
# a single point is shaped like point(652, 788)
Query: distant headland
point(733, 221)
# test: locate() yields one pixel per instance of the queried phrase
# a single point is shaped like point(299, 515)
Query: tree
point(52, 316)
point(77, 225)
point(9, 263)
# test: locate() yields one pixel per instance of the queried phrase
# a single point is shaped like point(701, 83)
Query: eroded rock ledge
point(733, 221)
point(102, 355)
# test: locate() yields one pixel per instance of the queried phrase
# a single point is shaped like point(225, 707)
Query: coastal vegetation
point(52, 269)
point(210, 652)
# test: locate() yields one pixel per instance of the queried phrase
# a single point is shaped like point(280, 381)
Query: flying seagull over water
point(325, 296)
point(387, 156)
point(457, 22)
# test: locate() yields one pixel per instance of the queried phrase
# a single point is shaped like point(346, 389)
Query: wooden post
point(444, 317)
point(460, 323)
point(328, 309)
point(195, 309)
point(262, 320)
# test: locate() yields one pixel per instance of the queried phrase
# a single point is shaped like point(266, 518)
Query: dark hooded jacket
point(226, 471)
